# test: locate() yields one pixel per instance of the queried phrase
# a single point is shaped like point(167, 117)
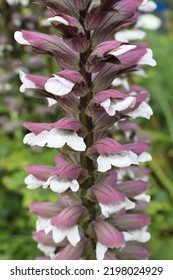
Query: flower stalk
point(100, 187)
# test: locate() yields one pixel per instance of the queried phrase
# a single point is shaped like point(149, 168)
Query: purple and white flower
point(108, 237)
point(110, 200)
point(55, 135)
point(64, 224)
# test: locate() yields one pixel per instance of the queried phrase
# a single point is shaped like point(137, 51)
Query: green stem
point(87, 122)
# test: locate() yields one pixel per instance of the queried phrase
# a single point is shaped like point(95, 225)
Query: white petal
point(107, 106)
point(28, 138)
point(108, 209)
point(121, 82)
point(140, 235)
point(36, 140)
point(27, 84)
point(144, 157)
point(140, 73)
point(130, 35)
point(144, 237)
point(32, 182)
point(124, 104)
point(143, 197)
point(149, 21)
point(147, 6)
point(59, 86)
point(47, 250)
point(118, 105)
point(75, 142)
point(74, 185)
point(22, 88)
point(51, 102)
point(103, 163)
point(120, 160)
point(58, 19)
point(100, 251)
point(122, 49)
point(19, 38)
point(58, 234)
point(73, 235)
point(56, 138)
point(129, 204)
point(58, 185)
point(143, 110)
point(40, 139)
point(127, 236)
point(132, 156)
point(43, 224)
point(147, 59)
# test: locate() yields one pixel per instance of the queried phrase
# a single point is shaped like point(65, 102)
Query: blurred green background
point(16, 222)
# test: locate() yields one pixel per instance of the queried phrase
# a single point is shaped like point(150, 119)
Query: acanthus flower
point(108, 237)
point(56, 135)
point(112, 153)
point(110, 200)
point(132, 104)
point(60, 177)
point(104, 185)
point(59, 223)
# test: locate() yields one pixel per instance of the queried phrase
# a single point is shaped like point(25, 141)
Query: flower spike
point(100, 186)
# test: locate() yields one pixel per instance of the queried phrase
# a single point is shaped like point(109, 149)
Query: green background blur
point(16, 222)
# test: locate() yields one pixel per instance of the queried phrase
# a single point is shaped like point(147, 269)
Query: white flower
point(121, 82)
point(147, 59)
point(58, 19)
point(140, 73)
point(130, 35)
point(148, 21)
point(100, 251)
point(143, 110)
point(140, 235)
point(123, 173)
point(59, 85)
point(56, 138)
point(124, 159)
point(18, 36)
point(32, 182)
point(122, 49)
point(47, 250)
point(56, 183)
point(142, 197)
point(111, 106)
point(108, 209)
point(61, 185)
point(72, 234)
point(147, 6)
point(43, 224)
point(144, 157)
point(27, 84)
point(51, 102)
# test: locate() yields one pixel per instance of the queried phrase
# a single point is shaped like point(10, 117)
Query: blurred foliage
point(160, 127)
point(16, 222)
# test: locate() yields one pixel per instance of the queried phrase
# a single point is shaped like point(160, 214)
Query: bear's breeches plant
point(99, 174)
